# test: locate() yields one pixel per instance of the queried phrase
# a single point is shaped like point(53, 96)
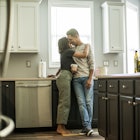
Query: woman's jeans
point(85, 100)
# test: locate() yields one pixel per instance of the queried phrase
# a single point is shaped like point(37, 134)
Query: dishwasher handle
point(33, 85)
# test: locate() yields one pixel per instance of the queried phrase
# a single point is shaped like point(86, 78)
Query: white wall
point(17, 65)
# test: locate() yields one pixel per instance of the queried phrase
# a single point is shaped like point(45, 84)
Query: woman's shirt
point(67, 59)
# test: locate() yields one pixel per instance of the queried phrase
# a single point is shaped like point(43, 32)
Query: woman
point(64, 81)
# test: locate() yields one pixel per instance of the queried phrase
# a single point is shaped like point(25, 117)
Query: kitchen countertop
point(32, 78)
point(28, 79)
point(133, 75)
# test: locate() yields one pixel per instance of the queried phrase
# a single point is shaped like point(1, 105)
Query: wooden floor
point(52, 135)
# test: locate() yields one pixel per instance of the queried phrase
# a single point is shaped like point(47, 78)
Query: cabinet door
point(112, 117)
point(126, 118)
point(137, 88)
point(95, 109)
point(74, 120)
point(2, 25)
point(102, 114)
point(126, 87)
point(26, 27)
point(8, 99)
point(116, 28)
point(112, 86)
point(113, 27)
point(137, 118)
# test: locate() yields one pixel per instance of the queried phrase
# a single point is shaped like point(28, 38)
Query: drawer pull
point(104, 98)
point(7, 86)
point(134, 103)
point(111, 86)
point(123, 86)
point(100, 86)
point(129, 102)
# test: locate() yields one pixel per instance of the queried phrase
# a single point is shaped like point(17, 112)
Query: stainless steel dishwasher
point(33, 104)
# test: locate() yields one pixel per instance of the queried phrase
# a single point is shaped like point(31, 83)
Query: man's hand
point(88, 83)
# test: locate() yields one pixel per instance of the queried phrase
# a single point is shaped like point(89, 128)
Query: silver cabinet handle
point(7, 86)
point(134, 103)
point(129, 102)
point(111, 86)
point(123, 86)
point(100, 85)
point(104, 98)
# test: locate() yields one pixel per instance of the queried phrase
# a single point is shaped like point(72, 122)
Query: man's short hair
point(72, 32)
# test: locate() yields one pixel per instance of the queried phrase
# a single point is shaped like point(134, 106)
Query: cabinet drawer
point(112, 86)
point(102, 85)
point(137, 88)
point(127, 87)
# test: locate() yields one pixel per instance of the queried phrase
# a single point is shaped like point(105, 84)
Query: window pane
point(64, 18)
point(132, 35)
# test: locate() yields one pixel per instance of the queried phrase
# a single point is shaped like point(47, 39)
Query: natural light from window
point(132, 35)
point(65, 16)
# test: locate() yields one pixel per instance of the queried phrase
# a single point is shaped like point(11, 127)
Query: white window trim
point(69, 3)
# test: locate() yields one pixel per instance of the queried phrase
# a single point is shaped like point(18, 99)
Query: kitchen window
point(132, 35)
point(64, 15)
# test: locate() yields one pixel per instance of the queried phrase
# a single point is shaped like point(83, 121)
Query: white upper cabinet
point(25, 27)
point(25, 32)
point(113, 27)
point(2, 24)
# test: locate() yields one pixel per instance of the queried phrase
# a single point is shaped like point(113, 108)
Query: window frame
point(69, 3)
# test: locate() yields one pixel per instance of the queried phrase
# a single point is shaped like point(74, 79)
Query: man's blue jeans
point(85, 100)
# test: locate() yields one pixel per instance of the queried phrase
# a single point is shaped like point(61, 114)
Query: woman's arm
point(82, 54)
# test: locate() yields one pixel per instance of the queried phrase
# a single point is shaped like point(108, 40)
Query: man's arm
point(83, 54)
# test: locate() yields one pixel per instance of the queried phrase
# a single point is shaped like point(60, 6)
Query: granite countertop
point(133, 75)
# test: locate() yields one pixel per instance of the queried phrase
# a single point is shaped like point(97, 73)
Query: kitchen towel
point(42, 69)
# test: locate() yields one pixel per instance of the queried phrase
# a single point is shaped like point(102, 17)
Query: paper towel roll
point(42, 69)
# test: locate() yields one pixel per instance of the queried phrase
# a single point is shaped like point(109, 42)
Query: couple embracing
point(82, 81)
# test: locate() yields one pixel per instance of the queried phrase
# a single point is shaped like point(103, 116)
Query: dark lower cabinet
point(108, 109)
point(8, 99)
point(95, 105)
point(126, 118)
point(119, 108)
point(137, 118)
point(74, 120)
point(129, 118)
point(112, 117)
point(102, 114)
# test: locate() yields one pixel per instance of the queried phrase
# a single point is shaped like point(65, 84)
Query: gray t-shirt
point(84, 64)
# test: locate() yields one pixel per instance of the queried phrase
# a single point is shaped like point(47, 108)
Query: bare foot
point(63, 131)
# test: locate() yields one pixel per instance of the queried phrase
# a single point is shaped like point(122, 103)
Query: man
point(83, 82)
point(64, 82)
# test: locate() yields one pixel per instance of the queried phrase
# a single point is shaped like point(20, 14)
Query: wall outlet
point(28, 63)
point(116, 63)
point(106, 63)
